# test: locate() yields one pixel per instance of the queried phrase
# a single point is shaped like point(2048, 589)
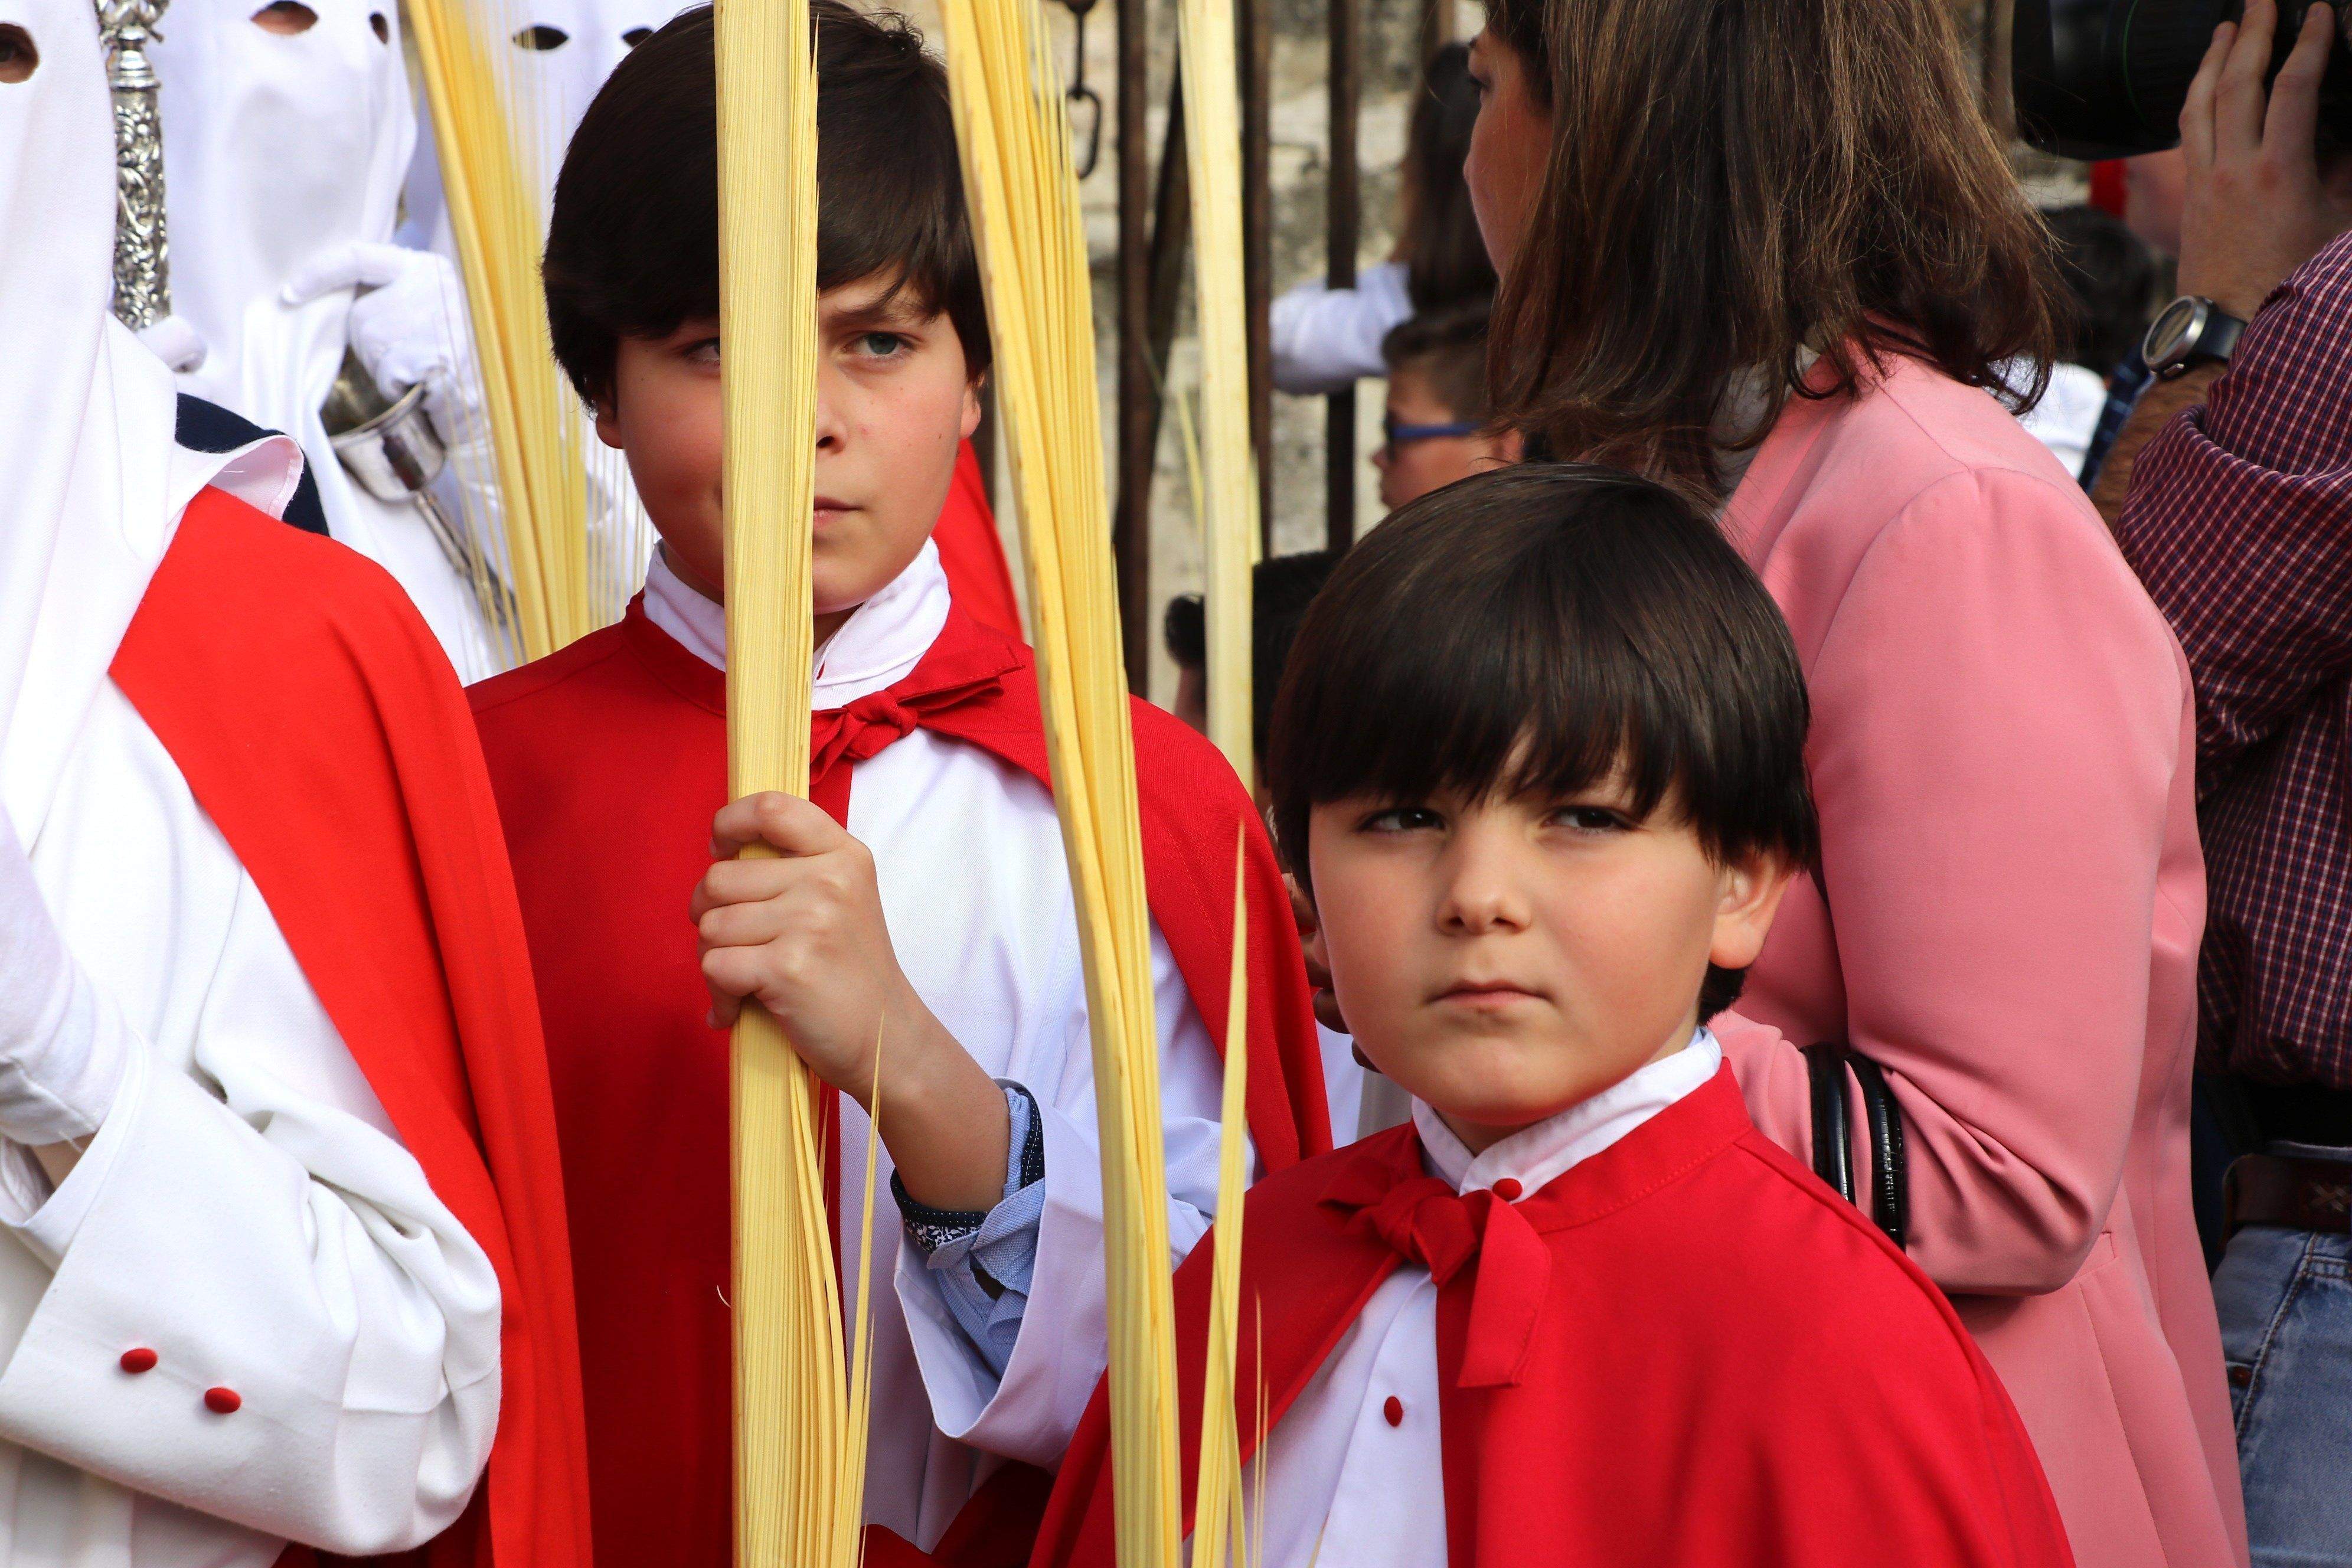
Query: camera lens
point(2106, 79)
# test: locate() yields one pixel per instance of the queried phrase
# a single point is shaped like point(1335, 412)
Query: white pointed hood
point(85, 415)
point(555, 80)
point(555, 53)
point(94, 483)
point(276, 147)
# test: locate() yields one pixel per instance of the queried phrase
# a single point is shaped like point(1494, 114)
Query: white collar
point(879, 644)
point(1535, 1156)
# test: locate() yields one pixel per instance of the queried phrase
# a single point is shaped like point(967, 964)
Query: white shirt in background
point(2067, 417)
point(1325, 339)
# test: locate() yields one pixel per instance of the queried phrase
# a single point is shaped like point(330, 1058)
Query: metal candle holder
point(142, 276)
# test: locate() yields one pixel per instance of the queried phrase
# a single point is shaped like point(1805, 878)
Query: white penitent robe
point(243, 1315)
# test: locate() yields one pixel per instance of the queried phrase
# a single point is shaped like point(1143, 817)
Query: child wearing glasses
point(1435, 425)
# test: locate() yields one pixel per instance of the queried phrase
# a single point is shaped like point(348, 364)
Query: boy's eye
point(703, 351)
point(1589, 818)
point(881, 345)
point(1402, 819)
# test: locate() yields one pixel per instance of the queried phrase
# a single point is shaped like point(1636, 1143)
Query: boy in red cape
point(283, 1265)
point(1540, 760)
point(924, 892)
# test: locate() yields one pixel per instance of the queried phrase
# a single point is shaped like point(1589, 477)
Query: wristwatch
point(2190, 332)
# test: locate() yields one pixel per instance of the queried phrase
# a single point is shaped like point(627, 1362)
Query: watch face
point(2172, 331)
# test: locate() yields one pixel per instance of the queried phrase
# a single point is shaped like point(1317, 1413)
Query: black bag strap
point(1832, 1139)
point(1890, 1176)
point(1888, 1199)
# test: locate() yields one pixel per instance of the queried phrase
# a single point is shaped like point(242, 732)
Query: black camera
point(2106, 79)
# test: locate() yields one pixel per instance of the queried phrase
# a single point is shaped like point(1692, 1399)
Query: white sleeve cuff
point(47, 1220)
point(65, 1068)
point(1030, 1412)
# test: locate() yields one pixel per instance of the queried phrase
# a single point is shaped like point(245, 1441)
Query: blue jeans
point(2285, 1302)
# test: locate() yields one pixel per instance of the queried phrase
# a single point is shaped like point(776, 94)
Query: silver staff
point(143, 274)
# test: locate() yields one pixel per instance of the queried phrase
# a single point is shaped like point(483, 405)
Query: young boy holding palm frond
point(917, 912)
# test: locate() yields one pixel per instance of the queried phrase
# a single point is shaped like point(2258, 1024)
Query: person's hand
point(409, 325)
point(2257, 208)
point(1318, 960)
point(803, 935)
point(175, 340)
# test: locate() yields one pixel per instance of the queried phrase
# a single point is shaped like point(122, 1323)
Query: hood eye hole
point(637, 36)
point(18, 58)
point(382, 28)
point(539, 38)
point(286, 18)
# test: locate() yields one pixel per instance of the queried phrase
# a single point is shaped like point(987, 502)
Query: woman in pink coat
point(1768, 250)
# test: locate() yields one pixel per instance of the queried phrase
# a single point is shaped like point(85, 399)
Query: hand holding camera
point(2261, 199)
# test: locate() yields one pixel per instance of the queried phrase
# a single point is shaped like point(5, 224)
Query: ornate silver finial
point(143, 274)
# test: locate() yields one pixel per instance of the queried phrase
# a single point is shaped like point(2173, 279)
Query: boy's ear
point(608, 419)
point(1747, 896)
point(971, 420)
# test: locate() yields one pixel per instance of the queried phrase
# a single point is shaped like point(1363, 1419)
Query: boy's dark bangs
point(633, 246)
point(890, 181)
point(1475, 701)
point(900, 229)
point(1545, 629)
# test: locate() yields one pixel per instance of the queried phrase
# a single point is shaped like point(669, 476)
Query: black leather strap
point(1832, 1137)
point(1890, 1181)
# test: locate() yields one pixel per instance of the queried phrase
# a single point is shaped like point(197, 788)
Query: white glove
point(63, 1042)
point(409, 326)
point(176, 341)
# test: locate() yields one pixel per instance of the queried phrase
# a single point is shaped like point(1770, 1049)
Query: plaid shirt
point(2240, 522)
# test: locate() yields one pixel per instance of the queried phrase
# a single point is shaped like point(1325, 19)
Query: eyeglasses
point(1396, 436)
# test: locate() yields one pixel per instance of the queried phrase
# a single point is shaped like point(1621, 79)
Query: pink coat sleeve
point(1998, 724)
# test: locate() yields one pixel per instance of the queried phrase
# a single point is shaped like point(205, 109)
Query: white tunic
point(977, 896)
point(1337, 1441)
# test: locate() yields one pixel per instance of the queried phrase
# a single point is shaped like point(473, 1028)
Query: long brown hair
point(1733, 185)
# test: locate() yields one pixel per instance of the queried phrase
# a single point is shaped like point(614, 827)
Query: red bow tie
point(840, 738)
point(1427, 1222)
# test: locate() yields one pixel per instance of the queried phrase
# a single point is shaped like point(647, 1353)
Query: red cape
point(320, 726)
point(972, 552)
point(609, 761)
point(1726, 1365)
